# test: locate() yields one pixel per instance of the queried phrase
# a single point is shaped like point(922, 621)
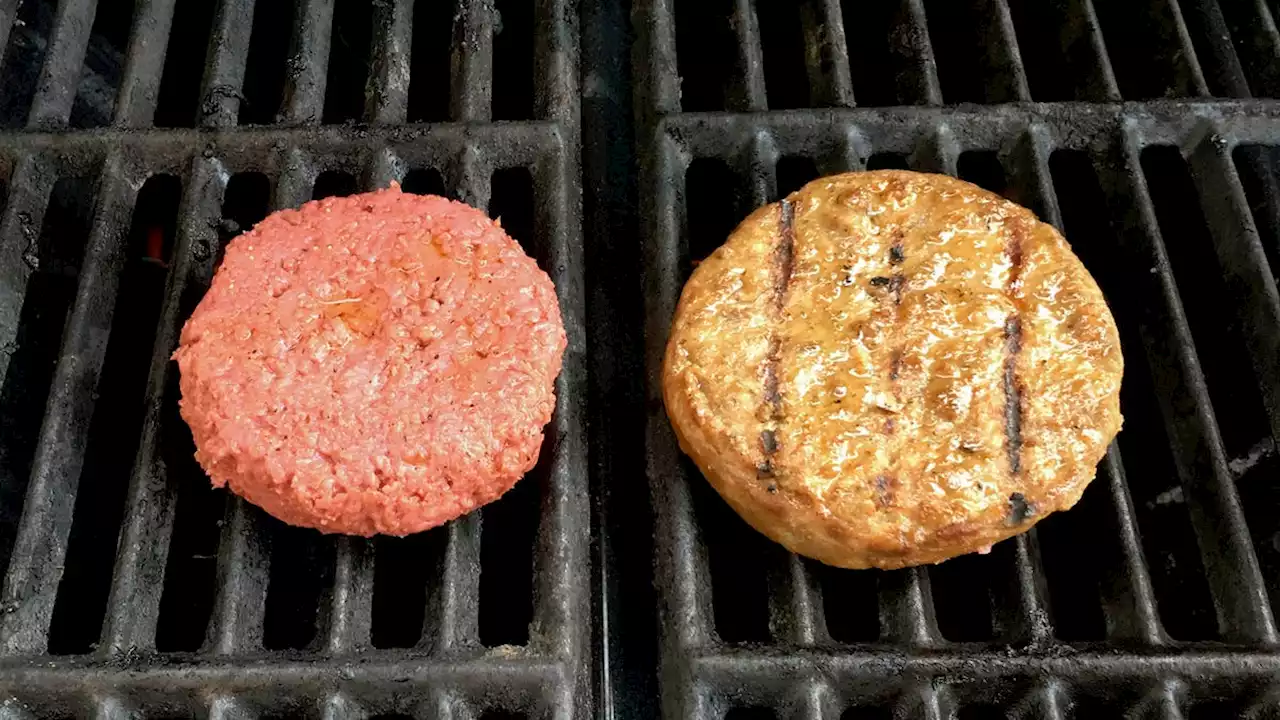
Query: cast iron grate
point(1157, 596)
point(132, 588)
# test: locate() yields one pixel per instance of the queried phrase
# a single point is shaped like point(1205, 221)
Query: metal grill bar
point(868, 673)
point(471, 176)
point(795, 603)
point(1267, 46)
point(309, 65)
point(906, 608)
point(68, 41)
point(243, 562)
point(556, 93)
point(244, 552)
point(1244, 262)
point(518, 682)
point(560, 543)
point(1129, 604)
point(458, 619)
point(389, 78)
point(106, 707)
point(31, 583)
point(30, 186)
point(1109, 88)
point(350, 607)
point(133, 606)
point(1244, 612)
point(339, 705)
point(750, 58)
point(1228, 75)
point(930, 90)
point(1009, 40)
point(832, 85)
point(1028, 163)
point(472, 62)
point(8, 14)
point(228, 53)
point(140, 88)
point(1188, 51)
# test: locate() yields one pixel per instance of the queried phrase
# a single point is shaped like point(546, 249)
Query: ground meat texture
point(380, 363)
point(887, 369)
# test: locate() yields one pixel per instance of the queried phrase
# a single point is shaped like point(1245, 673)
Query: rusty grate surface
point(138, 139)
point(1130, 126)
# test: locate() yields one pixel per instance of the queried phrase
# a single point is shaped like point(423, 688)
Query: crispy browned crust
point(890, 368)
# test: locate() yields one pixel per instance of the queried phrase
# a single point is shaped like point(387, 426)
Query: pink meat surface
point(380, 363)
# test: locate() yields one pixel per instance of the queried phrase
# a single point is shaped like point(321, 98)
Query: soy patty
point(891, 368)
point(379, 363)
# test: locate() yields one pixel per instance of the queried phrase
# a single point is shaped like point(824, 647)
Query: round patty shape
point(379, 363)
point(890, 368)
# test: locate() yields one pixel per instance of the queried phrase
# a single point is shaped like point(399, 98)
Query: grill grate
point(142, 136)
point(1157, 596)
point(110, 236)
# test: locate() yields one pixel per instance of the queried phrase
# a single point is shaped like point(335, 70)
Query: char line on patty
point(1013, 346)
point(895, 282)
point(783, 269)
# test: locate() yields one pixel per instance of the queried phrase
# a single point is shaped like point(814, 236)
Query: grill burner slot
point(178, 104)
point(429, 76)
point(348, 62)
point(424, 182)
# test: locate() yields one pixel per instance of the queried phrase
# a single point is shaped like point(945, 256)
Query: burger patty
point(890, 368)
point(380, 363)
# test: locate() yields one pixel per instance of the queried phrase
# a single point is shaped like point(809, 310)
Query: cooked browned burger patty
point(891, 368)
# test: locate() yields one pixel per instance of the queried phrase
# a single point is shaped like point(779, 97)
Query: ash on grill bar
point(620, 142)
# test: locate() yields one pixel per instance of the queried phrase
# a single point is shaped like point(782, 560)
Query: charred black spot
point(847, 275)
point(772, 488)
point(769, 441)
point(880, 281)
point(764, 469)
point(1014, 249)
point(896, 256)
point(771, 393)
point(1020, 510)
point(884, 490)
point(895, 364)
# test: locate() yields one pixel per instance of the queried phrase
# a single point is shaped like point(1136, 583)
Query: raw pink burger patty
point(380, 363)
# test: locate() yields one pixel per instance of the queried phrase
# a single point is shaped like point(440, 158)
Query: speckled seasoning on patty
point(379, 363)
point(891, 368)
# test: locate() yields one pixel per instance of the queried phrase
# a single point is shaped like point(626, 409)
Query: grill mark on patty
point(885, 483)
point(785, 254)
point(1013, 346)
point(783, 269)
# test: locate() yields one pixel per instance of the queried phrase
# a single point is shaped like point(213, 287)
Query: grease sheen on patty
point(891, 368)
